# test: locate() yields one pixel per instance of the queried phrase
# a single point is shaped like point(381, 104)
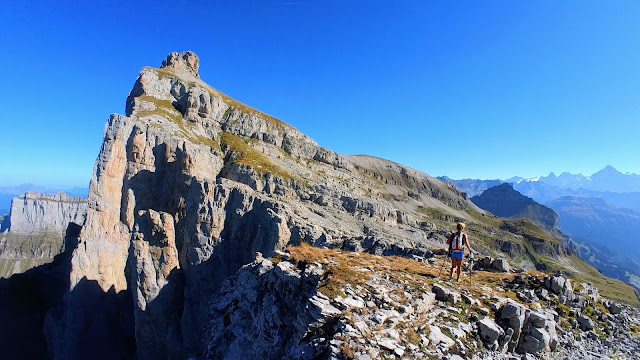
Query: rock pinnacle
point(186, 61)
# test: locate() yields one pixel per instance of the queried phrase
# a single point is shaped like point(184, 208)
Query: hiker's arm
point(468, 246)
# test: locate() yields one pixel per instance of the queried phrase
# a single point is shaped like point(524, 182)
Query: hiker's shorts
point(457, 254)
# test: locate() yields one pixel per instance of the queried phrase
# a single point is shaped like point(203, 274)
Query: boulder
point(424, 303)
point(441, 292)
point(469, 300)
point(489, 331)
point(437, 337)
point(585, 322)
point(535, 341)
point(486, 262)
point(444, 294)
point(538, 319)
point(543, 293)
point(501, 265)
point(483, 311)
point(590, 291)
point(612, 307)
point(513, 314)
point(555, 284)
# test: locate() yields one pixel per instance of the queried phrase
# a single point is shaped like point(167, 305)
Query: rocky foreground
point(311, 303)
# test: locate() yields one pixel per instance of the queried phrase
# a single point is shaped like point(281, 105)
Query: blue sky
point(460, 88)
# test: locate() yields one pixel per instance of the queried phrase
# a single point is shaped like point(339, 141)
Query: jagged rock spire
point(186, 61)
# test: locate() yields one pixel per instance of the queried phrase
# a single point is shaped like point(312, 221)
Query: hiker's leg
point(453, 264)
point(458, 266)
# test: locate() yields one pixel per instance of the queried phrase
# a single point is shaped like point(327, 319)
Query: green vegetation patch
point(432, 213)
point(162, 72)
point(608, 287)
point(163, 108)
point(412, 337)
point(486, 219)
point(237, 105)
point(527, 229)
point(247, 155)
point(563, 310)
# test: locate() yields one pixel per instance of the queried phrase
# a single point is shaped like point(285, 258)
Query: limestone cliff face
point(35, 212)
point(36, 228)
point(190, 184)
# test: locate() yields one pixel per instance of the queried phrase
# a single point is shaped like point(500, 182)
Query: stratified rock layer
point(36, 229)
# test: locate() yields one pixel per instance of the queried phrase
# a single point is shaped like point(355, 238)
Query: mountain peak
point(187, 61)
point(609, 170)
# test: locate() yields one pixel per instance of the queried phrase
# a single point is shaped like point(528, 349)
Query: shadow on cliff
point(29, 301)
point(207, 254)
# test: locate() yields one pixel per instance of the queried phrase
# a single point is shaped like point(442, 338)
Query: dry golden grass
point(343, 269)
point(420, 276)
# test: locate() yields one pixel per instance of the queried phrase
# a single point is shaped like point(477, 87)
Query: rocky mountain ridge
point(607, 179)
point(620, 190)
point(190, 184)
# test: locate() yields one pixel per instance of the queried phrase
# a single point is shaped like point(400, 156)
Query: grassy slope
point(485, 229)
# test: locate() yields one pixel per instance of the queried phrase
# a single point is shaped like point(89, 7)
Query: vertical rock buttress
point(163, 229)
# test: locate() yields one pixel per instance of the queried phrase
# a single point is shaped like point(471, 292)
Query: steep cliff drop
point(35, 252)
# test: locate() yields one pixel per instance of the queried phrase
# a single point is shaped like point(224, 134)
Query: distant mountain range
point(617, 189)
point(607, 179)
point(10, 192)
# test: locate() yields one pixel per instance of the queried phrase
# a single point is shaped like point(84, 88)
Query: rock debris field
point(310, 303)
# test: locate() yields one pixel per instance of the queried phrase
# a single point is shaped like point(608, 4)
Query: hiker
point(456, 242)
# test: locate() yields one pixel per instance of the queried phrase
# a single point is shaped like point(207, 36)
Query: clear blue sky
point(482, 89)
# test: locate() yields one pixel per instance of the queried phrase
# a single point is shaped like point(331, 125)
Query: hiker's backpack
point(451, 239)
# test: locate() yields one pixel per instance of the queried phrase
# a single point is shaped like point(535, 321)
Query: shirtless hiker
point(456, 242)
